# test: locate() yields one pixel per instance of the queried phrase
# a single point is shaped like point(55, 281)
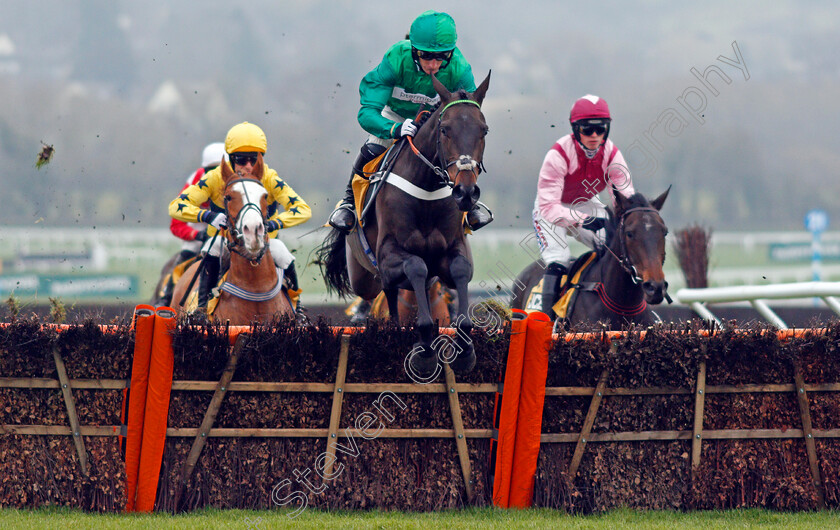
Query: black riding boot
point(551, 281)
point(209, 279)
point(291, 273)
point(480, 215)
point(360, 313)
point(343, 217)
point(165, 299)
point(293, 290)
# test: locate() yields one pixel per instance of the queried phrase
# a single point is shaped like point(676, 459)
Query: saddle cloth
point(361, 186)
point(567, 291)
point(569, 284)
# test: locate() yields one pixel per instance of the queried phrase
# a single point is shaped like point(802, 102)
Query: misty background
point(129, 93)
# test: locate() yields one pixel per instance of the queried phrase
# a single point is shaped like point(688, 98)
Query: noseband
point(462, 163)
point(235, 230)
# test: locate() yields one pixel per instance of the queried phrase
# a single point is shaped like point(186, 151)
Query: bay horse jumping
point(626, 277)
point(253, 289)
point(417, 232)
point(440, 301)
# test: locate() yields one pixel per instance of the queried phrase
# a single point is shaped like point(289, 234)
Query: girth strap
point(239, 292)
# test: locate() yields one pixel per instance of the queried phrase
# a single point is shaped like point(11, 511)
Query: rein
point(463, 163)
point(234, 230)
point(629, 268)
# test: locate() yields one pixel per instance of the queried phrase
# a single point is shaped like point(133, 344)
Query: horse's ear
point(610, 226)
point(481, 91)
point(659, 201)
point(227, 171)
point(259, 167)
point(445, 95)
point(620, 202)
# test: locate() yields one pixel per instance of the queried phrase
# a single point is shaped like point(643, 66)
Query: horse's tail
point(330, 256)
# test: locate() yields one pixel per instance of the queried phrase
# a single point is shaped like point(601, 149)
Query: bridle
point(462, 163)
point(623, 256)
point(235, 229)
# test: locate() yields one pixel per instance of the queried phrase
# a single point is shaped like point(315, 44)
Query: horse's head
point(641, 238)
point(246, 204)
point(460, 140)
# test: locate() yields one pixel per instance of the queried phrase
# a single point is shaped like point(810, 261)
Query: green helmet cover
point(433, 31)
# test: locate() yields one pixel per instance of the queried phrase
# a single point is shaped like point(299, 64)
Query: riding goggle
point(589, 130)
point(241, 159)
point(434, 56)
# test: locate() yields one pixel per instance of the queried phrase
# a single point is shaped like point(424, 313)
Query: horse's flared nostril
point(458, 193)
point(652, 288)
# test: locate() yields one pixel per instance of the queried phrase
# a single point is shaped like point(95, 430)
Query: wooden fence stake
point(807, 431)
point(588, 422)
point(699, 406)
point(460, 438)
point(338, 399)
point(70, 403)
point(210, 416)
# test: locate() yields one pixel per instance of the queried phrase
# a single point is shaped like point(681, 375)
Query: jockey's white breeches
point(552, 237)
point(391, 115)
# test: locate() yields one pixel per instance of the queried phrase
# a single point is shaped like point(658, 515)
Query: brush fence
point(669, 417)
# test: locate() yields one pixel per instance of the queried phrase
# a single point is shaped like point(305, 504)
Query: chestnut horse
point(627, 276)
point(417, 233)
point(253, 289)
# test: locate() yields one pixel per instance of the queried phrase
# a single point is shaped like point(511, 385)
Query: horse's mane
point(459, 94)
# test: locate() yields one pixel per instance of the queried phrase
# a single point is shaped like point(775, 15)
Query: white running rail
point(756, 296)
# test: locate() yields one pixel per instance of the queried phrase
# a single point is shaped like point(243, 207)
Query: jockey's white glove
point(408, 128)
point(217, 220)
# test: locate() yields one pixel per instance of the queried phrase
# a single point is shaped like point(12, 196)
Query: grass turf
point(470, 518)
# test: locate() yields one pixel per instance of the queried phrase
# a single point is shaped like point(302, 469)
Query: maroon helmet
point(590, 111)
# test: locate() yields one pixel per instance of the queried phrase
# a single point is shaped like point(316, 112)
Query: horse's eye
point(443, 131)
point(227, 198)
point(485, 131)
point(629, 235)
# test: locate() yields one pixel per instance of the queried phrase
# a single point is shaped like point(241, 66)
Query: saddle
point(570, 285)
point(365, 188)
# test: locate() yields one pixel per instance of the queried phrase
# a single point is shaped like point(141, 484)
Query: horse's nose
point(465, 196)
point(654, 291)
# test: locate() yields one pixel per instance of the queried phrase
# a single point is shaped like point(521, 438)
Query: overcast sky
point(772, 83)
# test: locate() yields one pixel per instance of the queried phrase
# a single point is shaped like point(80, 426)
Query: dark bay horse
point(440, 300)
point(417, 233)
point(626, 277)
point(252, 290)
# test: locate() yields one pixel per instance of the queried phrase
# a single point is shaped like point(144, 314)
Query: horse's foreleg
point(392, 297)
point(417, 273)
point(461, 271)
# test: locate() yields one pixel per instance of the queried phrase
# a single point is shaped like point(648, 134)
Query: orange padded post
point(529, 420)
point(507, 418)
point(157, 410)
point(134, 413)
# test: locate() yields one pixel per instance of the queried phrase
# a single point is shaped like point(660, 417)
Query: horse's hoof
point(197, 317)
point(465, 361)
point(423, 363)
